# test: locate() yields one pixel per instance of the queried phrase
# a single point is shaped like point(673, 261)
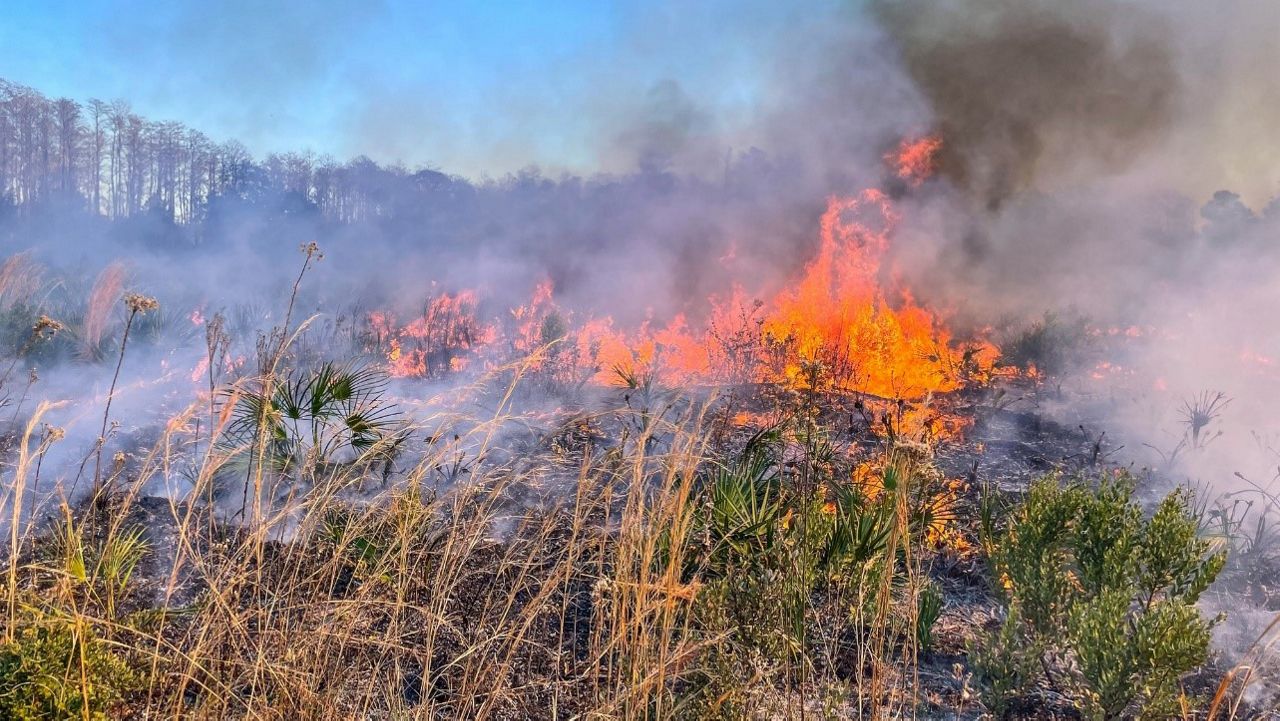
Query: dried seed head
point(311, 249)
point(139, 303)
point(914, 449)
point(46, 326)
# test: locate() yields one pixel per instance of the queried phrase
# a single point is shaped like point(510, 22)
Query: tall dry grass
point(20, 279)
point(461, 601)
point(99, 307)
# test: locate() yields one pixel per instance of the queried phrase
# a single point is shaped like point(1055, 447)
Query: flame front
point(834, 324)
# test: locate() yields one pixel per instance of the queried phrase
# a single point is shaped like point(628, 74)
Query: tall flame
point(838, 315)
point(834, 324)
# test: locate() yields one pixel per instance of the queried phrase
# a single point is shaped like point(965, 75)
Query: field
point(320, 539)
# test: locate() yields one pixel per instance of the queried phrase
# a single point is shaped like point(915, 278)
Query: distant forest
point(97, 178)
point(105, 159)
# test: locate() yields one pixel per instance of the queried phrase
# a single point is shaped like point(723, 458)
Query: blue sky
point(469, 87)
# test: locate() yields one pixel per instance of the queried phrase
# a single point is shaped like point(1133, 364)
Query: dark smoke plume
point(1020, 87)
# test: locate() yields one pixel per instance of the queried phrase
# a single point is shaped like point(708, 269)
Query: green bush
point(1051, 345)
point(1007, 664)
point(54, 668)
point(23, 339)
point(1104, 598)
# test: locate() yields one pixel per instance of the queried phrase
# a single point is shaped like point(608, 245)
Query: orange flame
point(915, 160)
point(834, 324)
point(838, 315)
point(439, 340)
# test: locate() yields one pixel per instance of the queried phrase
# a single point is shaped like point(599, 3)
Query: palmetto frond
point(318, 414)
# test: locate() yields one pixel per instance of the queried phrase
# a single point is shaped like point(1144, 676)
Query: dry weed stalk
point(135, 304)
point(15, 499)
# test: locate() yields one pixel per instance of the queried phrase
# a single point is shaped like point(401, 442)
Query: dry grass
point(463, 601)
point(101, 304)
point(20, 279)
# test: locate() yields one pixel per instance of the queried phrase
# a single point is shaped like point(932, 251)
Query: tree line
point(103, 158)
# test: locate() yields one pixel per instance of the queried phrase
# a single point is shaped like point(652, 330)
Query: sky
point(473, 88)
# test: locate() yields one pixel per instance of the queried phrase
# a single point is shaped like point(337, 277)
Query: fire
point(441, 339)
point(915, 160)
point(838, 315)
point(835, 325)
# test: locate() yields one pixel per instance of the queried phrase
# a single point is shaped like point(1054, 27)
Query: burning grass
point(835, 314)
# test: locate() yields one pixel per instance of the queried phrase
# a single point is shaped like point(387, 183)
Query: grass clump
point(812, 586)
point(1099, 601)
point(57, 657)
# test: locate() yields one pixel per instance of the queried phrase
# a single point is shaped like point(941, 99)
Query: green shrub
point(57, 669)
point(1087, 581)
point(1051, 345)
point(1006, 663)
point(25, 341)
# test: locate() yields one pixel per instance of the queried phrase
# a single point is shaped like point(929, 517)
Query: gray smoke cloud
point(1023, 90)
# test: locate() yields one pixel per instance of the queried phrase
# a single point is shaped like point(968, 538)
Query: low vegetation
point(641, 552)
point(1099, 602)
point(662, 579)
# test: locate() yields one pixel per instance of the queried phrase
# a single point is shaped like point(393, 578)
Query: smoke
point(1081, 141)
point(1032, 90)
point(1112, 160)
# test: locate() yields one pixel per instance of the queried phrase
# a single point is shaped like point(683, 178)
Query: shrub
point(1006, 663)
point(23, 339)
point(1086, 580)
point(1050, 345)
point(56, 668)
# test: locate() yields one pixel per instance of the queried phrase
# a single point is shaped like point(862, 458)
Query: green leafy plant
point(781, 539)
point(860, 530)
point(1090, 582)
point(739, 520)
point(56, 668)
point(101, 568)
point(928, 611)
point(314, 417)
point(1007, 663)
